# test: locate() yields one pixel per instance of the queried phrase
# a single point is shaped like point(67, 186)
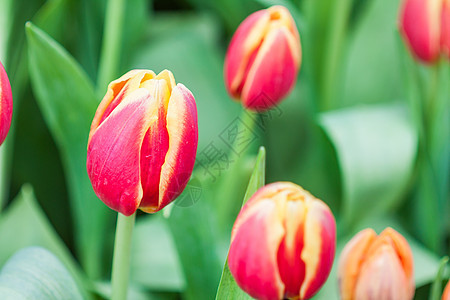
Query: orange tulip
point(376, 267)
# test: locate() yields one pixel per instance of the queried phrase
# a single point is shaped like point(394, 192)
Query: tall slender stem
point(112, 36)
point(121, 259)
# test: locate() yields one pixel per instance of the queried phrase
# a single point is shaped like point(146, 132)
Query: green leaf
point(67, 101)
point(376, 148)
point(154, 259)
point(228, 288)
point(36, 273)
point(373, 46)
point(31, 228)
point(436, 289)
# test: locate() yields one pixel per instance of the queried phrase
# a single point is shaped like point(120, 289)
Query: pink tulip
point(425, 26)
point(263, 58)
point(6, 104)
point(282, 244)
point(143, 142)
point(376, 267)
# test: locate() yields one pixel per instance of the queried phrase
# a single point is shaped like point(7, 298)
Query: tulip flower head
point(6, 104)
point(425, 26)
point(143, 142)
point(282, 244)
point(263, 58)
point(376, 267)
point(446, 293)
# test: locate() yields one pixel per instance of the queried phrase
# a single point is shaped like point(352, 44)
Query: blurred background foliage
point(351, 132)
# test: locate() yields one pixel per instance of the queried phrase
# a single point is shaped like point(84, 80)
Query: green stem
point(333, 51)
point(121, 259)
point(112, 37)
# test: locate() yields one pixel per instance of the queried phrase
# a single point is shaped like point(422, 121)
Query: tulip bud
point(263, 58)
point(6, 104)
point(445, 26)
point(425, 26)
point(446, 293)
point(282, 244)
point(143, 142)
point(376, 267)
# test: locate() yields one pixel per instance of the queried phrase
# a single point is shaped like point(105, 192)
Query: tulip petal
point(420, 26)
point(319, 247)
point(290, 264)
point(155, 145)
point(6, 104)
point(382, 277)
point(183, 139)
point(351, 259)
point(117, 91)
point(273, 71)
point(114, 152)
point(252, 257)
point(445, 28)
point(244, 43)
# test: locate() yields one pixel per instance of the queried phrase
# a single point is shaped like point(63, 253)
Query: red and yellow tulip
point(425, 26)
point(283, 243)
point(263, 58)
point(376, 267)
point(6, 104)
point(143, 142)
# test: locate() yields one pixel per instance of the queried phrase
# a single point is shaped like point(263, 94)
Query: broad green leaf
point(67, 101)
point(197, 240)
point(371, 71)
point(376, 147)
point(154, 259)
point(228, 289)
point(436, 289)
point(36, 273)
point(31, 228)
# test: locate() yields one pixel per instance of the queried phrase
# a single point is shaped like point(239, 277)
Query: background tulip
point(376, 267)
point(6, 105)
point(143, 142)
point(425, 26)
point(263, 58)
point(283, 243)
point(446, 293)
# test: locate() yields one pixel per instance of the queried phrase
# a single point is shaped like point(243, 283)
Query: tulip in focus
point(376, 267)
point(6, 104)
point(143, 142)
point(263, 58)
point(425, 26)
point(283, 243)
point(446, 293)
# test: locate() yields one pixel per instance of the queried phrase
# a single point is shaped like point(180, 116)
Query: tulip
point(445, 25)
point(282, 244)
point(263, 58)
point(143, 142)
point(425, 26)
point(446, 293)
point(376, 267)
point(6, 104)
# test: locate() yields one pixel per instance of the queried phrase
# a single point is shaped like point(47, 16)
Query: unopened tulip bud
point(282, 244)
point(445, 29)
point(6, 104)
point(263, 58)
point(425, 26)
point(376, 267)
point(143, 142)
point(446, 293)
